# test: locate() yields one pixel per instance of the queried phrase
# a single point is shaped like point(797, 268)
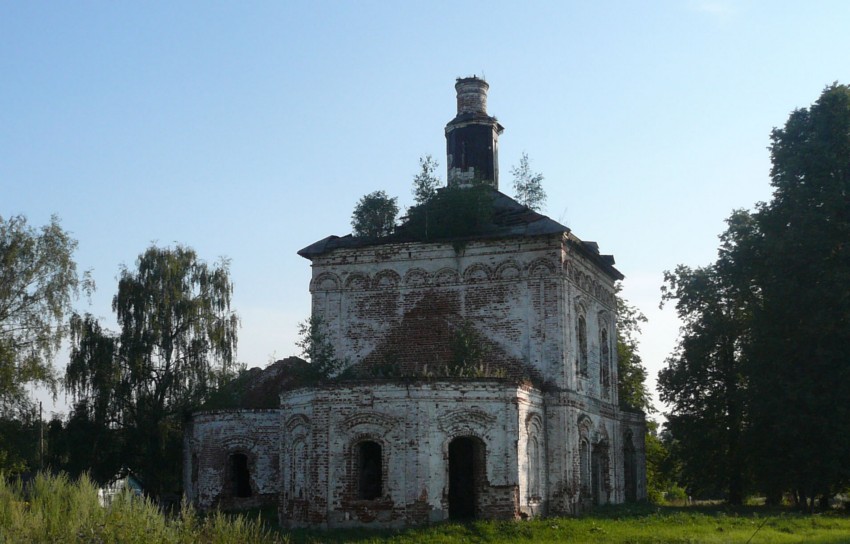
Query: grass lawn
point(623, 524)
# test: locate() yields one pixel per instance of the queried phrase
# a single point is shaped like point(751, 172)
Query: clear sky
point(250, 129)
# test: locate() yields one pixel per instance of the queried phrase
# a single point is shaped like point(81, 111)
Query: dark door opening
point(240, 477)
point(630, 468)
point(466, 467)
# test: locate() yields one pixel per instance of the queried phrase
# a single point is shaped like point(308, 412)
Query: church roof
point(509, 219)
point(257, 388)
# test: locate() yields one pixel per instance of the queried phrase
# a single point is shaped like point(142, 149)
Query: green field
point(637, 524)
point(55, 510)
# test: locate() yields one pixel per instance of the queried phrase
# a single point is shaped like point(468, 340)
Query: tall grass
point(55, 510)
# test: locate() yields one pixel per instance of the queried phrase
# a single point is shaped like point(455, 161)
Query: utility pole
point(40, 438)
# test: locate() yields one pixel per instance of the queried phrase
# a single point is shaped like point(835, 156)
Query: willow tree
point(176, 343)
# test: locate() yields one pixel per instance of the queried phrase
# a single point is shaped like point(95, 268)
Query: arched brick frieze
point(508, 270)
point(541, 267)
point(357, 281)
point(417, 277)
point(326, 281)
point(298, 420)
point(369, 421)
point(477, 273)
point(466, 423)
point(446, 276)
point(386, 279)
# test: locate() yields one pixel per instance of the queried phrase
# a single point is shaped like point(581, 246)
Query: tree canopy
point(177, 343)
point(758, 382)
point(374, 215)
point(38, 280)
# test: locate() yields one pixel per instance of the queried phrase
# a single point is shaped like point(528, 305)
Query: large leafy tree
point(800, 369)
point(704, 380)
point(374, 215)
point(38, 280)
point(177, 342)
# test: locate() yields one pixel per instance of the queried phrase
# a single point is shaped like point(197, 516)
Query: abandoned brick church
point(479, 376)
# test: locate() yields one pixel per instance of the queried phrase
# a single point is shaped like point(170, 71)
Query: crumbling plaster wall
point(209, 441)
point(414, 424)
point(525, 293)
point(573, 417)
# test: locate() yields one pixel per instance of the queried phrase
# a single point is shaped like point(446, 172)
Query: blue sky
point(250, 129)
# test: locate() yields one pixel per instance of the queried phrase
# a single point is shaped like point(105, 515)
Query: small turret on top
point(472, 137)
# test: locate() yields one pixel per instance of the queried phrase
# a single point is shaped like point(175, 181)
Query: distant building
point(479, 379)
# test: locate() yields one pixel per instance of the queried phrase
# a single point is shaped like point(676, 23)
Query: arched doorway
point(600, 480)
point(629, 467)
point(240, 476)
point(466, 476)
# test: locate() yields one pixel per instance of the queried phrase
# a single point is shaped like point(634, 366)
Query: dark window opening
point(239, 475)
point(605, 360)
point(466, 476)
point(582, 346)
point(369, 471)
point(584, 467)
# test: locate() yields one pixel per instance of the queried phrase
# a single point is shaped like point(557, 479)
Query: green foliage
point(758, 382)
point(801, 266)
point(19, 443)
point(425, 183)
point(704, 378)
point(38, 279)
point(528, 185)
point(452, 212)
point(374, 215)
point(176, 344)
point(631, 374)
point(317, 348)
point(469, 355)
point(659, 479)
point(55, 509)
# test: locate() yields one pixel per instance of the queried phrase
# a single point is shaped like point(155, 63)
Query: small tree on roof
point(374, 215)
point(528, 186)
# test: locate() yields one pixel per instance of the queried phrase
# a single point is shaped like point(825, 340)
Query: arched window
point(533, 452)
point(299, 469)
point(604, 360)
point(581, 334)
point(369, 470)
point(584, 467)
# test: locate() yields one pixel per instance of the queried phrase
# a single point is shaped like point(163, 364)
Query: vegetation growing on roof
point(374, 215)
point(316, 347)
point(528, 185)
point(451, 212)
